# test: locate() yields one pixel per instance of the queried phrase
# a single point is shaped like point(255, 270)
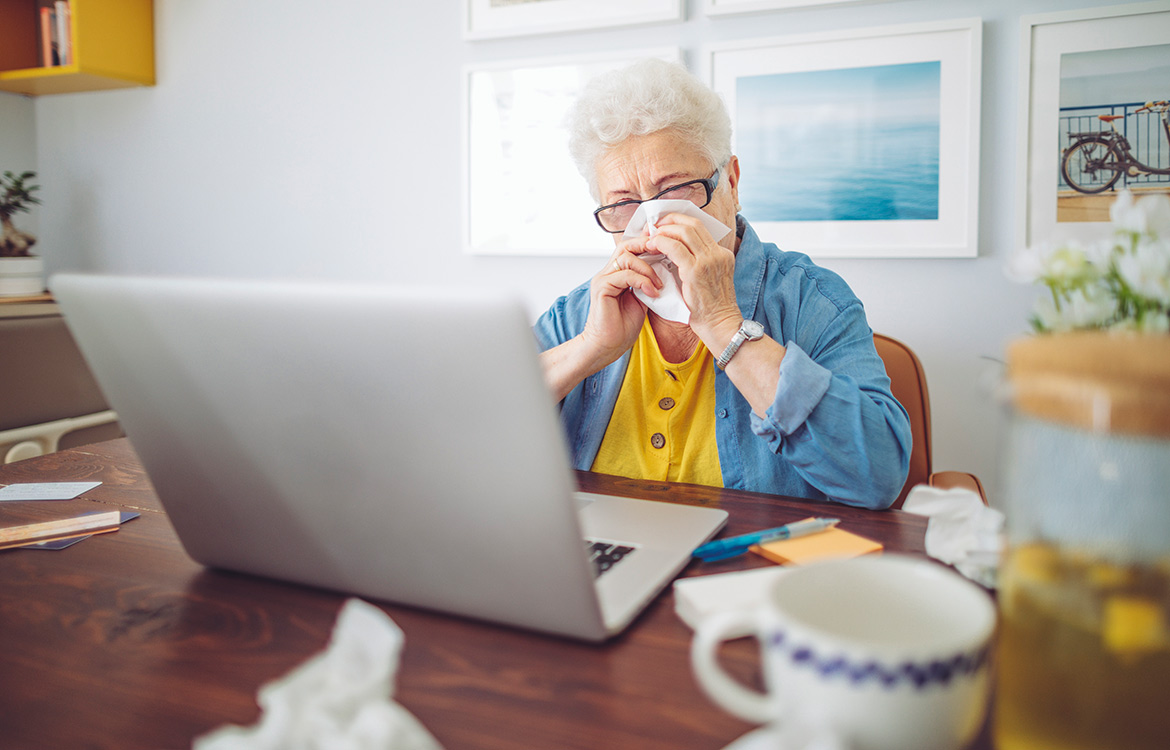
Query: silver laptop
point(397, 444)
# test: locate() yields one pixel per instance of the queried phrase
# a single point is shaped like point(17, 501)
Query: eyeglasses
point(616, 216)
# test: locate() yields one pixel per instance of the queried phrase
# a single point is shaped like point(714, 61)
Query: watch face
point(753, 329)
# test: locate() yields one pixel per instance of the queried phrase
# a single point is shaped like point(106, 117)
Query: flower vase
point(1084, 591)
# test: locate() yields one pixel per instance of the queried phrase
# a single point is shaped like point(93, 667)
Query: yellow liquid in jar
point(1083, 655)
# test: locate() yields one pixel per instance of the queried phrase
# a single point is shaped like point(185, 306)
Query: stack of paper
point(701, 596)
point(832, 544)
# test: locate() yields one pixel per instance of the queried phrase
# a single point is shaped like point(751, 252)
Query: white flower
point(1125, 214)
point(1027, 265)
point(1148, 324)
point(1069, 264)
point(1150, 215)
point(1091, 307)
point(1100, 254)
point(1147, 270)
point(1157, 208)
point(1122, 283)
point(1155, 324)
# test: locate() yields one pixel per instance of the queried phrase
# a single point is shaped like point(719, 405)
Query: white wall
point(309, 139)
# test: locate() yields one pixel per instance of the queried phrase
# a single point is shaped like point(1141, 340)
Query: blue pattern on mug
point(937, 671)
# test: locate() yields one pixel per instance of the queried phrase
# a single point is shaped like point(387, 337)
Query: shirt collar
point(750, 265)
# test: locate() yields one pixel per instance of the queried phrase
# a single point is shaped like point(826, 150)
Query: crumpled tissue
point(338, 699)
point(961, 530)
point(669, 302)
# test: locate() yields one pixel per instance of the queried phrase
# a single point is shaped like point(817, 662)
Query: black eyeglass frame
point(708, 183)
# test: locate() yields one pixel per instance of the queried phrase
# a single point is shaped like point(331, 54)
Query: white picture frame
point(929, 71)
point(490, 19)
point(727, 7)
point(522, 194)
point(1045, 39)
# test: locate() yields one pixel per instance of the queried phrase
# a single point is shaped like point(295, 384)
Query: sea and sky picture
point(853, 144)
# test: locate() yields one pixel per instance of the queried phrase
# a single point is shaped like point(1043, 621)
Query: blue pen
point(721, 549)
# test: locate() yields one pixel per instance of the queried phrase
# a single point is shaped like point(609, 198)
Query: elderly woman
point(772, 384)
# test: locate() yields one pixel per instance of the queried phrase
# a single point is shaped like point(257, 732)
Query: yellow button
point(666, 403)
point(657, 440)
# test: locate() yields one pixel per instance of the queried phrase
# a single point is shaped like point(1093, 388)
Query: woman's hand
point(615, 314)
point(615, 319)
point(706, 270)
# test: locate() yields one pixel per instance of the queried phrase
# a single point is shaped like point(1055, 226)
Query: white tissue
point(961, 530)
point(669, 302)
point(338, 699)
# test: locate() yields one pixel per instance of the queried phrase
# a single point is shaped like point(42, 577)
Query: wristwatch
point(749, 330)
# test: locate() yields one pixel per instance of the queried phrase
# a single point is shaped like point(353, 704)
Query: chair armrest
point(40, 439)
point(946, 480)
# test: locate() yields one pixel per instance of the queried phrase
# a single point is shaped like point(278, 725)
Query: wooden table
point(122, 641)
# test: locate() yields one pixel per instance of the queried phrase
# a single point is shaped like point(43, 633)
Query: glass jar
point(1084, 645)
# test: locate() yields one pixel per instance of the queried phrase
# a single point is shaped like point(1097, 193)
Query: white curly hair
point(646, 97)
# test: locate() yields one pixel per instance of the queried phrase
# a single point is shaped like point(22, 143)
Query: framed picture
point(522, 193)
point(863, 143)
point(1086, 77)
point(721, 7)
point(486, 19)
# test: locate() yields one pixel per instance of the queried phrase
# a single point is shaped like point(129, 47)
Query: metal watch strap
point(749, 330)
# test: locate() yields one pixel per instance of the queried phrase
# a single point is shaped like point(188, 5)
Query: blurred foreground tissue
point(961, 530)
point(337, 700)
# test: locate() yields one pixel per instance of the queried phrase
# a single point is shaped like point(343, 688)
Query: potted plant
point(1085, 586)
point(21, 273)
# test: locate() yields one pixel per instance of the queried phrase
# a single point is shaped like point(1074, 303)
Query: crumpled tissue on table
point(669, 302)
point(338, 699)
point(961, 530)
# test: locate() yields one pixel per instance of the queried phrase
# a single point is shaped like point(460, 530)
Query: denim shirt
point(833, 432)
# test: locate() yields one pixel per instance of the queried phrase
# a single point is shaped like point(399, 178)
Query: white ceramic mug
point(880, 652)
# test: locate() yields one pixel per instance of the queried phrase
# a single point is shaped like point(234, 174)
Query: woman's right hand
point(614, 321)
point(615, 314)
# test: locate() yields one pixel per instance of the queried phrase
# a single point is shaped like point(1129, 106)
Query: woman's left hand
point(705, 268)
point(707, 272)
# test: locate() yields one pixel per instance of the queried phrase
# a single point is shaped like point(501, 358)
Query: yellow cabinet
point(112, 46)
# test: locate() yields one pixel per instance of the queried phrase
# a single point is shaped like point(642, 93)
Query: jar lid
point(1101, 381)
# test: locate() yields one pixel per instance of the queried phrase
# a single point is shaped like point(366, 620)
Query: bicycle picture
point(1096, 160)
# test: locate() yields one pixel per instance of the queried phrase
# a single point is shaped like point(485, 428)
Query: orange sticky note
point(831, 544)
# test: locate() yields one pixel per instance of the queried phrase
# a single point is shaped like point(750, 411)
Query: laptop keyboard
point(604, 555)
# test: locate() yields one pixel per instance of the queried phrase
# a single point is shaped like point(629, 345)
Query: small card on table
point(45, 490)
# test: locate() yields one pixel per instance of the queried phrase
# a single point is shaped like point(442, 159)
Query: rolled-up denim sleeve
point(556, 325)
point(802, 385)
point(836, 422)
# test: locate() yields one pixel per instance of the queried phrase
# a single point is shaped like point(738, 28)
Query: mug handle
point(729, 693)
